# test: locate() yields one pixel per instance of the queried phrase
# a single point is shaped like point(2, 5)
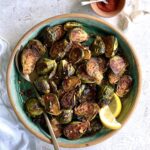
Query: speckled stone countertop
point(17, 17)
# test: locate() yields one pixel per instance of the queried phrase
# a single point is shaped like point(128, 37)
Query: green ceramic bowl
point(92, 24)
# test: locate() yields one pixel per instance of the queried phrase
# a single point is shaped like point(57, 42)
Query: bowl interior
point(15, 88)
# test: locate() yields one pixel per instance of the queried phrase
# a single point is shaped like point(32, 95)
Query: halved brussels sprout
point(53, 87)
point(68, 100)
point(93, 70)
point(45, 66)
point(71, 25)
point(113, 78)
point(95, 126)
point(87, 54)
point(65, 69)
point(87, 110)
point(111, 45)
point(51, 104)
point(29, 57)
point(37, 45)
point(33, 107)
point(42, 85)
point(117, 65)
point(124, 85)
point(58, 49)
point(71, 83)
point(52, 34)
point(106, 92)
point(81, 73)
point(102, 65)
point(66, 116)
point(75, 130)
point(57, 128)
point(98, 46)
point(78, 35)
point(76, 53)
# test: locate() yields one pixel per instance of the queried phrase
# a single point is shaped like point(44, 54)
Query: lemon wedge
point(108, 119)
point(115, 106)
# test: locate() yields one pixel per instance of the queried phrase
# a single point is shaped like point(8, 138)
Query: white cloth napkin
point(13, 136)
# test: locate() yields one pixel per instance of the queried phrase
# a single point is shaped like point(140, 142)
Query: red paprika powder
point(110, 6)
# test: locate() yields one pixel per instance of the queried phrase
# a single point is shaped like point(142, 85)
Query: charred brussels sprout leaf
point(29, 57)
point(78, 35)
point(87, 54)
point(65, 69)
point(124, 85)
point(87, 110)
point(93, 70)
point(58, 49)
point(71, 25)
point(37, 45)
point(113, 78)
point(57, 128)
point(33, 107)
point(76, 53)
point(66, 116)
point(102, 65)
point(71, 83)
point(117, 65)
point(45, 66)
point(42, 85)
point(53, 87)
point(51, 104)
point(52, 34)
point(75, 130)
point(98, 46)
point(68, 100)
point(111, 45)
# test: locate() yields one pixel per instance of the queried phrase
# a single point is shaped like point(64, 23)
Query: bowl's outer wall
point(14, 87)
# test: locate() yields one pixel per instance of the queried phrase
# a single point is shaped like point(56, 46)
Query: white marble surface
point(17, 17)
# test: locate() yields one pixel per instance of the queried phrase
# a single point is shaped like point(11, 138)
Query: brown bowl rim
point(73, 15)
point(107, 14)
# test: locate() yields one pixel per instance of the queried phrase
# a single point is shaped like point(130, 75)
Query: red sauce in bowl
point(111, 6)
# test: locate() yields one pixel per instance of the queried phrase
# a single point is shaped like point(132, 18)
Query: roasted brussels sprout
point(117, 65)
point(71, 83)
point(124, 85)
point(106, 92)
point(76, 53)
point(68, 100)
point(93, 70)
point(76, 129)
point(37, 45)
point(66, 116)
point(87, 110)
point(87, 54)
point(95, 126)
point(57, 128)
point(98, 46)
point(113, 78)
point(103, 65)
point(52, 34)
point(58, 49)
point(29, 57)
point(45, 66)
point(33, 107)
point(84, 77)
point(111, 45)
point(65, 69)
point(53, 87)
point(88, 94)
point(71, 25)
point(42, 85)
point(51, 104)
point(78, 35)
